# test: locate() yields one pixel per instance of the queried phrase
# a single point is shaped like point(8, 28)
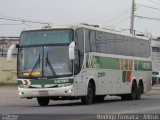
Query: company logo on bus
point(61, 81)
point(146, 65)
point(42, 85)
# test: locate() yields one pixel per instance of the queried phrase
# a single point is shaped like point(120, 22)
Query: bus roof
point(84, 25)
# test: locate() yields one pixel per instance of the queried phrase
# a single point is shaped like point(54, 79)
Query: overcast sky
point(112, 13)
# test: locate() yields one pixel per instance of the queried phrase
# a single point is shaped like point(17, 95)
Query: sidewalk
point(155, 90)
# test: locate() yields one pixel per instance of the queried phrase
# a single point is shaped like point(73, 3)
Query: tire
point(99, 98)
point(42, 101)
point(139, 91)
point(90, 93)
point(133, 94)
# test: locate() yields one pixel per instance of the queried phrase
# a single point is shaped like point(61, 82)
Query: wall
point(8, 71)
point(155, 55)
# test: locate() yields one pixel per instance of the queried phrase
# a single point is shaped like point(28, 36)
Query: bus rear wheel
point(89, 97)
point(132, 95)
point(139, 91)
point(43, 101)
point(134, 90)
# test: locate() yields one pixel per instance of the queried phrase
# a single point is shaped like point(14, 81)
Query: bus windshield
point(47, 61)
point(45, 53)
point(41, 37)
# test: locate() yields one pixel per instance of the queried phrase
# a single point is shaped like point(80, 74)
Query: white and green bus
point(81, 62)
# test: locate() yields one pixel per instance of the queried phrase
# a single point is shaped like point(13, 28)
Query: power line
point(120, 21)
point(108, 22)
point(154, 2)
point(9, 19)
point(139, 32)
point(20, 20)
point(149, 7)
point(10, 24)
point(148, 18)
point(26, 24)
point(137, 21)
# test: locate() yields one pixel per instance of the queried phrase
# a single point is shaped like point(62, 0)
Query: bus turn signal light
point(33, 73)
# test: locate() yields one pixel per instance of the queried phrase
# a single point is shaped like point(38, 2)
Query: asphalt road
point(10, 103)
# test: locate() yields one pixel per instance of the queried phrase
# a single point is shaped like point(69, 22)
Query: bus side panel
point(115, 75)
point(81, 81)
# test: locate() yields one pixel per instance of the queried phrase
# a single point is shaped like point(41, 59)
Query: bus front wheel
point(43, 101)
point(89, 97)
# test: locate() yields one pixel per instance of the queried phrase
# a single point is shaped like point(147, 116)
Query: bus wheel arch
point(91, 88)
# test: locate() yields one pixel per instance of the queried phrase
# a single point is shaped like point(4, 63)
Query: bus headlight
point(21, 93)
point(69, 91)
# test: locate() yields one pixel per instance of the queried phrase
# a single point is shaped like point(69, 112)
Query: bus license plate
point(43, 92)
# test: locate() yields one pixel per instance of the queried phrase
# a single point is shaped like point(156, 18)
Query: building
point(7, 69)
point(5, 42)
point(155, 43)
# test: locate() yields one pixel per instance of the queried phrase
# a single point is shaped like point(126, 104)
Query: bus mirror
point(71, 51)
point(9, 52)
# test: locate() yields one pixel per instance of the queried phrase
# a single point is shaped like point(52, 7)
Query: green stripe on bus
point(114, 63)
point(107, 62)
point(126, 64)
point(144, 65)
point(19, 82)
point(135, 64)
point(124, 73)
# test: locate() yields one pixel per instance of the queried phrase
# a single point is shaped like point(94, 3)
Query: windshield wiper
point(50, 66)
point(36, 64)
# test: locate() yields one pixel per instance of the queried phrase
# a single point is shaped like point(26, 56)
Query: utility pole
point(132, 18)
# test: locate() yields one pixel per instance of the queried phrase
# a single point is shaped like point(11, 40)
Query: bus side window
point(80, 44)
point(128, 46)
point(147, 51)
point(77, 61)
point(120, 45)
point(87, 41)
point(110, 44)
point(137, 48)
point(92, 41)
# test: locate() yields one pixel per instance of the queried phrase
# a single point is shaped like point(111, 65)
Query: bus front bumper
point(46, 92)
